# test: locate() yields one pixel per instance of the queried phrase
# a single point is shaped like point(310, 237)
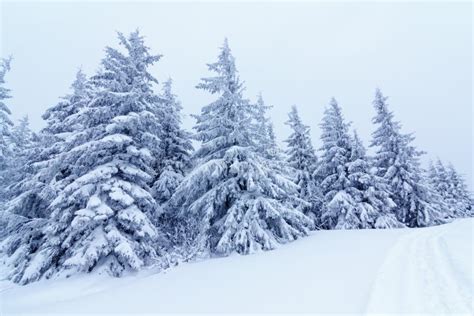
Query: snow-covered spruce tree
point(273, 151)
point(303, 161)
point(264, 135)
point(462, 197)
point(371, 193)
point(438, 178)
point(59, 116)
point(236, 201)
point(42, 169)
point(38, 178)
point(22, 142)
point(21, 135)
point(5, 128)
point(397, 162)
point(102, 216)
point(175, 147)
point(353, 197)
point(340, 207)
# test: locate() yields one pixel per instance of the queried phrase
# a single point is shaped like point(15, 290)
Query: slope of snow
point(379, 271)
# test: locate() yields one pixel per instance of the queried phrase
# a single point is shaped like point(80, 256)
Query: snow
point(355, 271)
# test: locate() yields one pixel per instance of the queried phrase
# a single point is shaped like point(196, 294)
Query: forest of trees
point(113, 182)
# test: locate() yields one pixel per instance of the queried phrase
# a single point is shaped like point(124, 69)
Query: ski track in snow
point(419, 275)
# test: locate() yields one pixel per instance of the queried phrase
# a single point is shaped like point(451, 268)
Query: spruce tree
point(175, 147)
point(22, 142)
point(59, 116)
point(303, 161)
point(236, 201)
point(354, 198)
point(43, 167)
point(371, 193)
point(274, 151)
point(397, 162)
point(339, 208)
point(463, 200)
point(264, 135)
point(438, 178)
point(27, 213)
point(5, 128)
point(102, 216)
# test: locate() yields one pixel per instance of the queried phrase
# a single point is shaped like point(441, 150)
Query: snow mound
point(359, 271)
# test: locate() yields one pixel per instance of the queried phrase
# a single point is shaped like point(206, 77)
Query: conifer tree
point(175, 147)
point(22, 142)
point(102, 216)
point(371, 193)
point(461, 196)
point(438, 178)
point(263, 138)
point(303, 161)
point(339, 208)
point(236, 201)
point(273, 151)
point(354, 197)
point(5, 128)
point(42, 166)
point(397, 162)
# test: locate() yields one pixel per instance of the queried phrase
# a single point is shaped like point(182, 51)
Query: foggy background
point(419, 54)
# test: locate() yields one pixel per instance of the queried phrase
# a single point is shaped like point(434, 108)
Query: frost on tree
point(5, 127)
point(397, 162)
point(37, 187)
point(340, 209)
point(464, 200)
point(303, 161)
point(371, 193)
point(102, 216)
point(175, 147)
point(265, 138)
point(22, 144)
point(236, 201)
point(38, 176)
point(452, 188)
point(60, 116)
point(354, 198)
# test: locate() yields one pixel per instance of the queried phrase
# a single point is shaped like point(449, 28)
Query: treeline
point(113, 182)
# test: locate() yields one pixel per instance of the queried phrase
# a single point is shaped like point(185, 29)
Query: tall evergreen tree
point(354, 197)
point(264, 140)
point(5, 127)
point(438, 178)
point(462, 197)
point(22, 142)
point(59, 117)
point(102, 216)
point(27, 212)
point(175, 147)
point(371, 193)
point(397, 162)
point(273, 151)
point(42, 166)
point(302, 159)
point(339, 209)
point(237, 202)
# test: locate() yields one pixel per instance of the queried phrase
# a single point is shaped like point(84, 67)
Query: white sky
point(420, 54)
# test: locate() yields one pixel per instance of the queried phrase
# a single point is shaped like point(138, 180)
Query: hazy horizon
point(418, 54)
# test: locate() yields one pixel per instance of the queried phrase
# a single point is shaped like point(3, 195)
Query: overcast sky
point(419, 54)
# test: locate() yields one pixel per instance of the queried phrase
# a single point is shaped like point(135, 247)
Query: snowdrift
point(361, 271)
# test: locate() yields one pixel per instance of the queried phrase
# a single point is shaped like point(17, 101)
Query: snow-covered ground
point(379, 271)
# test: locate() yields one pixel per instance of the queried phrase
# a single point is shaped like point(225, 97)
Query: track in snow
point(422, 275)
